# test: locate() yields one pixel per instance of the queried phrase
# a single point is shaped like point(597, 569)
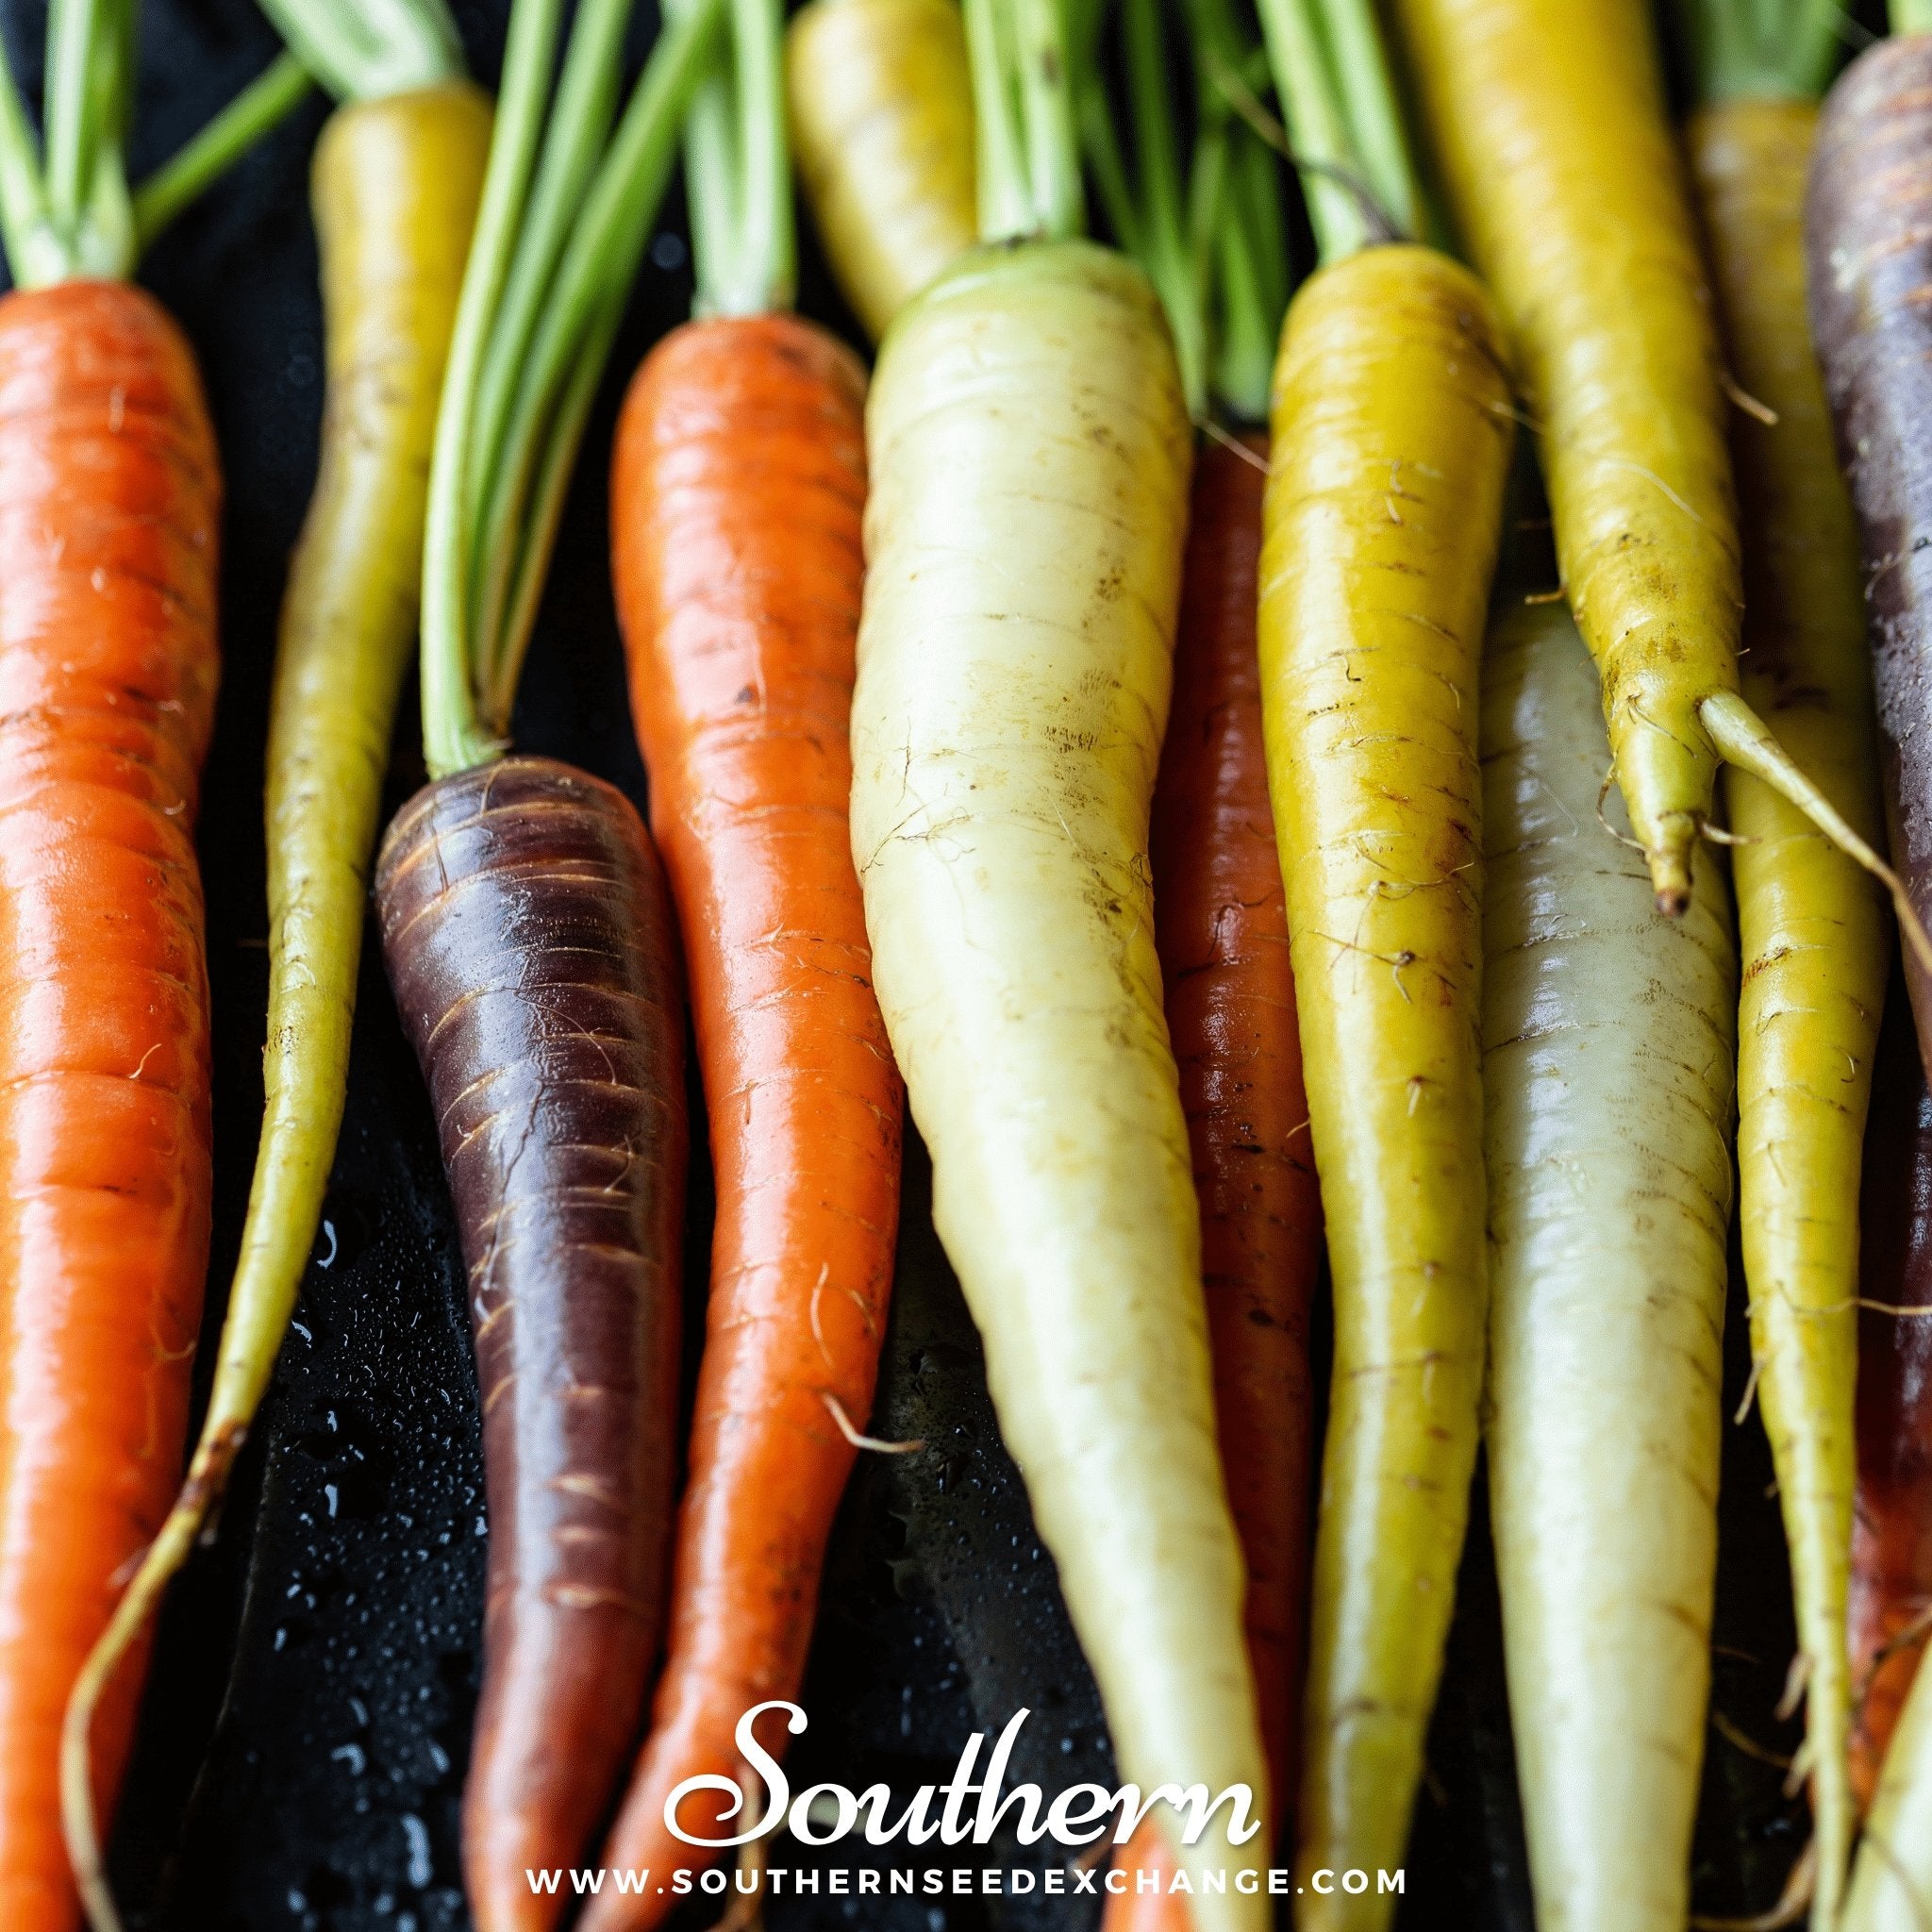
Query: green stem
point(737, 178)
point(1263, 224)
point(1166, 252)
point(1046, 102)
point(1022, 96)
point(1108, 167)
point(547, 494)
point(72, 32)
point(1251, 280)
point(261, 105)
point(22, 201)
point(1369, 109)
point(1005, 201)
point(1312, 113)
point(366, 50)
point(575, 137)
point(1767, 49)
point(1911, 17)
point(452, 738)
point(764, 267)
point(571, 343)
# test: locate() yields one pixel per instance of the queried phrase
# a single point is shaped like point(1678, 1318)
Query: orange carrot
point(109, 503)
point(739, 483)
point(1221, 922)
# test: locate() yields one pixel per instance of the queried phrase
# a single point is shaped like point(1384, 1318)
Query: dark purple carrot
point(1867, 245)
point(532, 950)
point(1891, 1540)
point(530, 944)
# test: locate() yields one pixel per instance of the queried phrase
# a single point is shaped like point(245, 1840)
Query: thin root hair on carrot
point(860, 1440)
point(1742, 740)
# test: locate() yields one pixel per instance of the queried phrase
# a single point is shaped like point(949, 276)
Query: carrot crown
point(737, 169)
point(1332, 75)
point(1029, 153)
point(1772, 49)
point(71, 213)
point(1213, 243)
point(569, 197)
point(365, 50)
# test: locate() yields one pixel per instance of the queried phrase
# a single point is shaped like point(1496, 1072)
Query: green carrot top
point(365, 50)
point(1213, 243)
point(569, 197)
point(1773, 49)
point(1907, 16)
point(1331, 73)
point(1029, 151)
point(70, 213)
point(738, 169)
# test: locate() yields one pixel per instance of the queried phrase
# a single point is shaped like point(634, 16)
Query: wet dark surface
point(302, 1755)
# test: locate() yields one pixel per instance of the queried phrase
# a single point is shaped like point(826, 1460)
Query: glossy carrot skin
point(1813, 937)
point(530, 946)
point(109, 502)
point(1892, 1537)
point(738, 490)
point(1221, 922)
point(1867, 245)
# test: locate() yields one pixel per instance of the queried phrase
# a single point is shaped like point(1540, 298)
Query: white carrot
point(1609, 1056)
point(1029, 450)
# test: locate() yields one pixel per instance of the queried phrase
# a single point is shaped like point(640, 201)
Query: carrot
point(1222, 928)
point(395, 183)
point(529, 943)
point(1812, 932)
point(109, 515)
point(1027, 447)
point(738, 488)
point(529, 937)
point(1220, 924)
point(1892, 1882)
point(1869, 259)
point(109, 506)
point(1891, 1539)
point(1392, 438)
point(881, 111)
point(1607, 1069)
point(1547, 113)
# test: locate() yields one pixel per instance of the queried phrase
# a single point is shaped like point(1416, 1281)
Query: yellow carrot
point(1390, 444)
point(1549, 121)
point(1813, 933)
point(881, 108)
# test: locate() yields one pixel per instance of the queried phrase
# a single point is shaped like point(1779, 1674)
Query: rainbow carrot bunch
point(1168, 808)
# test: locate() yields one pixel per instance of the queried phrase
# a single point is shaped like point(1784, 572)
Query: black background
point(302, 1753)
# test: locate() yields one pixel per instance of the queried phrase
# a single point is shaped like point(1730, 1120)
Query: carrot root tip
point(1743, 738)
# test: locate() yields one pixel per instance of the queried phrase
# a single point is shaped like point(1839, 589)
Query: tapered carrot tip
point(1670, 875)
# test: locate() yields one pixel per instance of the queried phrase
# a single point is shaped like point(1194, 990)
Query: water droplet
point(421, 1869)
